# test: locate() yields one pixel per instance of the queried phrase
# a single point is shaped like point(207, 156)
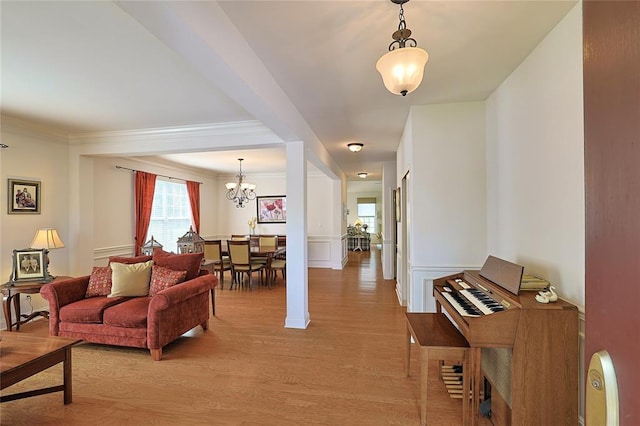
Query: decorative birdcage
point(191, 242)
point(150, 246)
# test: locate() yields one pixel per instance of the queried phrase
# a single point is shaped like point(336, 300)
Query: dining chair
point(266, 244)
point(241, 262)
point(239, 237)
point(276, 262)
point(213, 253)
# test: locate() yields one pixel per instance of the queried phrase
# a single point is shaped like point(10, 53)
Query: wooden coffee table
point(22, 356)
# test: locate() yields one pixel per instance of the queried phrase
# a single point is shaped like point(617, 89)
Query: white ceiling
point(306, 69)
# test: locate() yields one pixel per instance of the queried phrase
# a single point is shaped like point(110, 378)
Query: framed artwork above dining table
point(272, 209)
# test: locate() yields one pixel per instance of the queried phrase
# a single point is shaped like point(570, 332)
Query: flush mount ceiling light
point(240, 192)
point(362, 175)
point(355, 147)
point(402, 67)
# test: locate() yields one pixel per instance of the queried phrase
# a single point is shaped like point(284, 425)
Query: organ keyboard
point(538, 382)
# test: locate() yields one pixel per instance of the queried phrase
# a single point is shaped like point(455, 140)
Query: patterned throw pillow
point(99, 282)
point(162, 278)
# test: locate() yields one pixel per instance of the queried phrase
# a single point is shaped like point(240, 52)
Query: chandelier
point(240, 192)
point(402, 67)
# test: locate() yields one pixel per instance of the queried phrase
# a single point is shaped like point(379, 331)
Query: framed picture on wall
point(272, 209)
point(29, 265)
point(23, 196)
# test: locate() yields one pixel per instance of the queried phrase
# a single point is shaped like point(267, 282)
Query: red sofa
point(141, 322)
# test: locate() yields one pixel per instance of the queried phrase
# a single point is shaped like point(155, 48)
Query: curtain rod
point(164, 176)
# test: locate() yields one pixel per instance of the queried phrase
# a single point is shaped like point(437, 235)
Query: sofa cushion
point(99, 282)
point(88, 311)
point(162, 278)
point(130, 314)
point(129, 260)
point(189, 262)
point(130, 280)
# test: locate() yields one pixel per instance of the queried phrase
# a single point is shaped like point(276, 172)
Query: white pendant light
point(402, 68)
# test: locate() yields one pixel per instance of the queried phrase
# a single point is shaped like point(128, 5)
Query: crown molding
point(249, 127)
point(180, 139)
point(180, 169)
point(11, 124)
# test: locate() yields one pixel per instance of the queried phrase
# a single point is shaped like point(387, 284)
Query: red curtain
point(145, 187)
point(193, 189)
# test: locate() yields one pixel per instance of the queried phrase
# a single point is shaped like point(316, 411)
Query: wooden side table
point(11, 292)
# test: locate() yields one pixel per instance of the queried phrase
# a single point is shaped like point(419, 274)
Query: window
point(170, 214)
point(367, 213)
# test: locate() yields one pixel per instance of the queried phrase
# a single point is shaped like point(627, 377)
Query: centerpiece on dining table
point(252, 225)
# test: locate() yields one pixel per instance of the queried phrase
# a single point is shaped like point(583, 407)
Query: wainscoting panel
point(319, 252)
point(101, 255)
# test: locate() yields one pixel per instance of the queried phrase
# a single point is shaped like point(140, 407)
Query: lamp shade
point(47, 238)
point(402, 69)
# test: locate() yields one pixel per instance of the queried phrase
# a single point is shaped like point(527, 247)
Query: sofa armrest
point(178, 309)
point(60, 293)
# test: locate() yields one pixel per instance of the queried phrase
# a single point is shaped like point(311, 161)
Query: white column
point(297, 276)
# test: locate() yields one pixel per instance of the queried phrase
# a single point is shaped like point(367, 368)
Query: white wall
point(34, 153)
point(535, 156)
point(234, 220)
point(535, 164)
point(447, 231)
point(324, 222)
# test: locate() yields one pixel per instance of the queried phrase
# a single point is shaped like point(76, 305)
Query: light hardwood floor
point(346, 368)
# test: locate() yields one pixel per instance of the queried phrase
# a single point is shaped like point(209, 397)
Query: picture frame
point(272, 209)
point(23, 196)
point(30, 265)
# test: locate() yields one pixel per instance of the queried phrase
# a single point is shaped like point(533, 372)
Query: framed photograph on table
point(272, 209)
point(23, 196)
point(30, 265)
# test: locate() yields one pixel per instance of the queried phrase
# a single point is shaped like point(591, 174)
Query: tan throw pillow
point(162, 278)
point(99, 282)
point(130, 280)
